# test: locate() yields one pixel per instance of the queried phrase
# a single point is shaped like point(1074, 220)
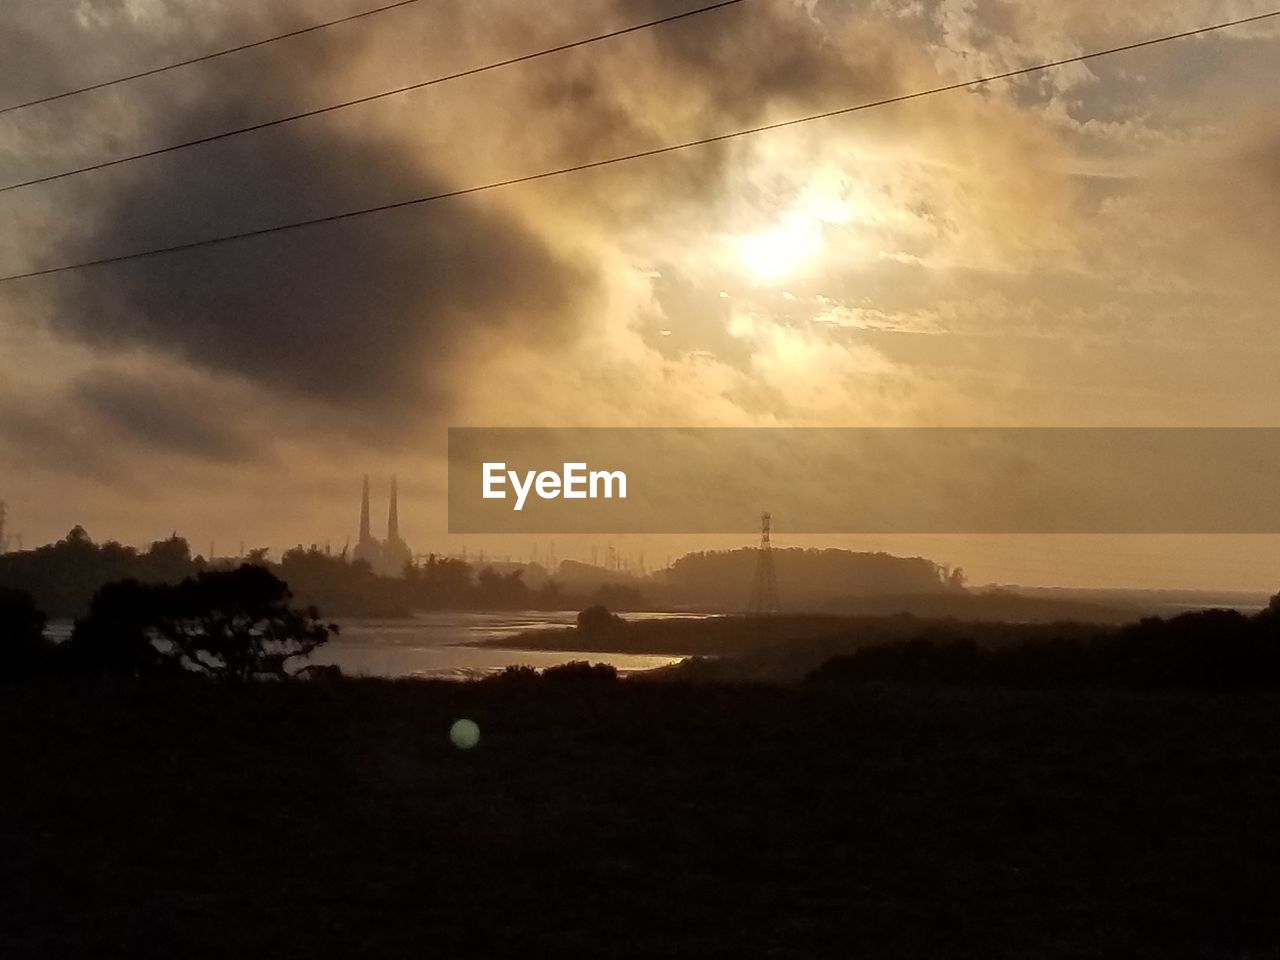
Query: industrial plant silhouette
point(389, 556)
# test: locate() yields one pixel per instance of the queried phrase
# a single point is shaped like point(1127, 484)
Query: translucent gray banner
point(865, 480)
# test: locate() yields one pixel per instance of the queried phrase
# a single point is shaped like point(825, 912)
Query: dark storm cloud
point(161, 413)
point(372, 312)
point(369, 309)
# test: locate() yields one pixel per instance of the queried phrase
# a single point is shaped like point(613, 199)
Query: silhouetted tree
point(116, 638)
point(580, 671)
point(342, 588)
point(173, 553)
point(550, 596)
point(232, 624)
point(599, 629)
point(597, 621)
point(23, 647)
point(514, 673)
point(62, 577)
point(238, 624)
point(502, 591)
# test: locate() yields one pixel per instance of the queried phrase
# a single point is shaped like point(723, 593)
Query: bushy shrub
point(596, 622)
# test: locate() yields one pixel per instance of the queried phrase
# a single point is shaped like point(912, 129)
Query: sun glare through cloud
point(778, 252)
point(814, 228)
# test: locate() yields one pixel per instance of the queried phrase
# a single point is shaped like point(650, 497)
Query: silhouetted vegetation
point(1208, 649)
point(987, 605)
point(580, 671)
point(434, 583)
point(339, 587)
point(62, 577)
point(233, 624)
point(154, 820)
point(781, 648)
point(808, 579)
point(869, 805)
point(597, 625)
point(23, 647)
point(575, 671)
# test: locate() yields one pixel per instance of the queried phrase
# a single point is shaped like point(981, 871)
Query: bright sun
point(778, 252)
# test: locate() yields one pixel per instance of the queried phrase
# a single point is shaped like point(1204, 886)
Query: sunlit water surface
point(436, 645)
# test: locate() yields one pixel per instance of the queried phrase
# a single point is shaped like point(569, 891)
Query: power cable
point(204, 57)
point(366, 99)
point(657, 151)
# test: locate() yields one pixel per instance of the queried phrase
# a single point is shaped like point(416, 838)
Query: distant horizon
point(503, 553)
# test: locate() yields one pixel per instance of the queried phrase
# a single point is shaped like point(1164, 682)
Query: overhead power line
point(656, 151)
point(368, 99)
point(206, 56)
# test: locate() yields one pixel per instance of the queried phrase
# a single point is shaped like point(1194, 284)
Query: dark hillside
point(635, 820)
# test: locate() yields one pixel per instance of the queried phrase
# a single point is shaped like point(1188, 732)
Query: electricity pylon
point(764, 588)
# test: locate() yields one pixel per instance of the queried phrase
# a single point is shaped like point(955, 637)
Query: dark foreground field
point(630, 820)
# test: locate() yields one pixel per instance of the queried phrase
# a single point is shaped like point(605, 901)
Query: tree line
point(63, 577)
point(1222, 650)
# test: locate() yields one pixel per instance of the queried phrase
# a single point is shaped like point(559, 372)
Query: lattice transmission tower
point(764, 587)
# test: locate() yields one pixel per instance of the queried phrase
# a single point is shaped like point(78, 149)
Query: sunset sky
point(1093, 245)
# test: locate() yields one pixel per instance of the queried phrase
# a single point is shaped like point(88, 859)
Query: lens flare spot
point(464, 734)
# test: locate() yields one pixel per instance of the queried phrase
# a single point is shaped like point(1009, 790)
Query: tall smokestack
point(393, 516)
point(364, 512)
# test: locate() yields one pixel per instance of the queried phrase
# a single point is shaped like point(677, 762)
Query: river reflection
point(434, 645)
